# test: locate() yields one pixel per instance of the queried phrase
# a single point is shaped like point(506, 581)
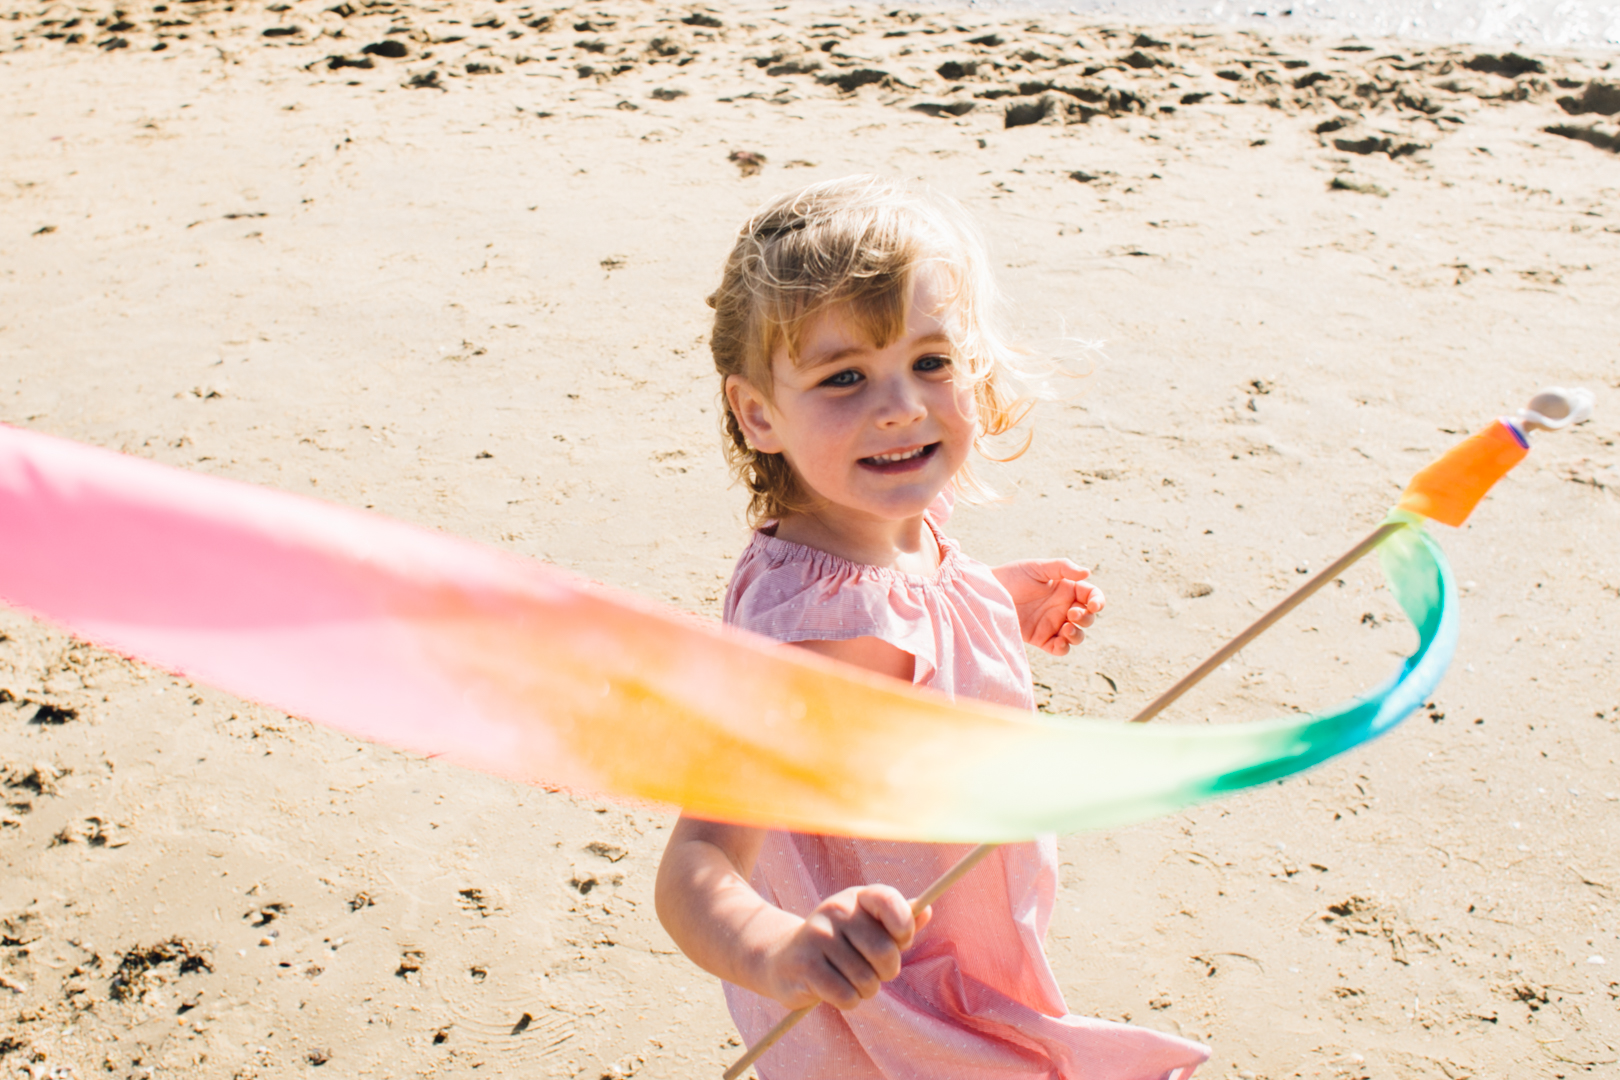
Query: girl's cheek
point(967, 403)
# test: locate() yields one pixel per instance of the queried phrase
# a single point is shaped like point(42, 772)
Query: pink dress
point(976, 999)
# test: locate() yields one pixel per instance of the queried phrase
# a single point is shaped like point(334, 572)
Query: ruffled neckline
point(781, 551)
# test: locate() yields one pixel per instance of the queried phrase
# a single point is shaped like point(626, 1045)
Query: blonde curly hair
point(857, 244)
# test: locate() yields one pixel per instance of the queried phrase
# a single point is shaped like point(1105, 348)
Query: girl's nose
point(900, 403)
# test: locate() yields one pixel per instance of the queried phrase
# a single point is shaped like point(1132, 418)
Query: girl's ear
point(753, 415)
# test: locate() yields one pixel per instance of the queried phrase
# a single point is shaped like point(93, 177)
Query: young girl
point(861, 369)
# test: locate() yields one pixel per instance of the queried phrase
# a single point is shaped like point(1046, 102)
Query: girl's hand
point(844, 952)
point(1054, 600)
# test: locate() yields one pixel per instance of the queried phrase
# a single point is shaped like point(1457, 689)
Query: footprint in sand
point(610, 852)
point(96, 832)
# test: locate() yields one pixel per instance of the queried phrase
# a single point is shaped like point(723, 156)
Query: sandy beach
point(448, 261)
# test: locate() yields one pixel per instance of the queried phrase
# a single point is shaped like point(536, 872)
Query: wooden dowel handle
point(1261, 625)
point(927, 896)
point(783, 1026)
point(951, 877)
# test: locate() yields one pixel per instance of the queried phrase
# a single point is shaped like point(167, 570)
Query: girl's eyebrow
point(834, 356)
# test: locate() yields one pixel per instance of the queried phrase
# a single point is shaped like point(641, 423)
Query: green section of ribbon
point(1068, 776)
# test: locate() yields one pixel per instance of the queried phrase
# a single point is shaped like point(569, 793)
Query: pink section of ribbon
point(321, 611)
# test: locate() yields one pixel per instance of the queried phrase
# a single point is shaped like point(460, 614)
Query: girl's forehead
point(832, 329)
point(839, 328)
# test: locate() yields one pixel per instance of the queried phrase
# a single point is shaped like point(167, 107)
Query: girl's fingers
point(858, 944)
point(878, 951)
point(1069, 634)
point(863, 956)
point(891, 910)
point(833, 983)
point(1073, 572)
point(1064, 570)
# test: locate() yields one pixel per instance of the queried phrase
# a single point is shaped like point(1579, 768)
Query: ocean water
point(1584, 25)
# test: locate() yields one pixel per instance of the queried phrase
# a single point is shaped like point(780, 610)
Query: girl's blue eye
point(843, 378)
point(932, 363)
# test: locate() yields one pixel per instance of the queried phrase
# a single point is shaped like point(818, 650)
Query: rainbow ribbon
point(436, 645)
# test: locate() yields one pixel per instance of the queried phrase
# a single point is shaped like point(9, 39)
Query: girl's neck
point(906, 545)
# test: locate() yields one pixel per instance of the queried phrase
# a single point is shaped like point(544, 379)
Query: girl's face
point(872, 432)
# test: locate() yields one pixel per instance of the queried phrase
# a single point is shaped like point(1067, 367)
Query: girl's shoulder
point(791, 592)
point(958, 624)
point(786, 565)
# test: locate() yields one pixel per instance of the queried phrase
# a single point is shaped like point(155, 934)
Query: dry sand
point(449, 262)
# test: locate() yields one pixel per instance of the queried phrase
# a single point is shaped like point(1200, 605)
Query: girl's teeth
point(889, 459)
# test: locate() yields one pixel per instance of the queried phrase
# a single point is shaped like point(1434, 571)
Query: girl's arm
point(842, 953)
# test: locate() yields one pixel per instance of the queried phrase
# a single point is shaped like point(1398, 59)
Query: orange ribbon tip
point(1448, 490)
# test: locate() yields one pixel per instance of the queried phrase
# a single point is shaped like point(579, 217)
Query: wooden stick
point(1262, 624)
point(951, 876)
point(783, 1026)
point(926, 897)
point(1154, 708)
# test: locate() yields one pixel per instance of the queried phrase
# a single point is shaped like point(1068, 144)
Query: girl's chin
point(898, 506)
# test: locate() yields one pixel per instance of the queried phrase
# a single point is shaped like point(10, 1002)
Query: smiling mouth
point(901, 457)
